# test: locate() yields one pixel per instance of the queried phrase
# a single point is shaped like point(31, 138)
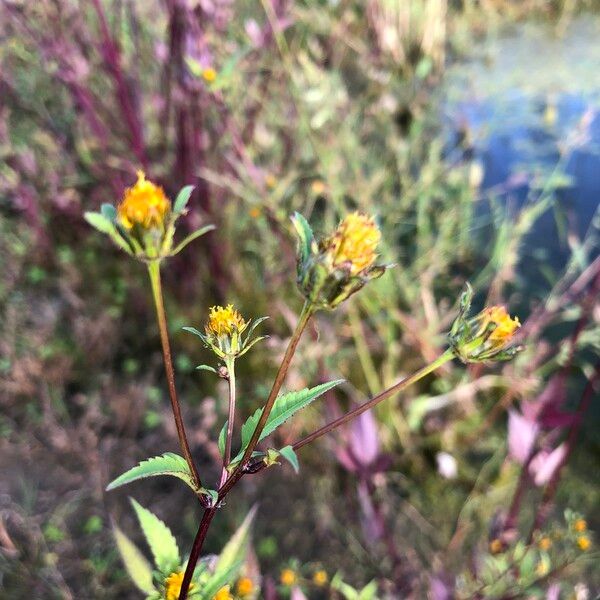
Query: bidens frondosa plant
point(329, 272)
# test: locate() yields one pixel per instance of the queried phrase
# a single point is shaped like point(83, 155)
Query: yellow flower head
point(545, 543)
point(542, 569)
point(173, 585)
point(354, 242)
point(496, 546)
point(580, 525)
point(320, 578)
point(584, 542)
point(505, 326)
point(244, 587)
point(209, 74)
point(223, 594)
point(288, 577)
point(143, 204)
point(224, 321)
point(270, 181)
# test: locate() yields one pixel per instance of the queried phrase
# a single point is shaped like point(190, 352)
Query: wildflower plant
point(329, 271)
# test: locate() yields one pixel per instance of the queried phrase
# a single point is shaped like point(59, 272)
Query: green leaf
point(190, 238)
point(182, 198)
point(285, 407)
point(160, 539)
point(235, 549)
point(369, 591)
point(100, 222)
point(305, 236)
point(206, 368)
point(109, 212)
point(218, 580)
point(137, 566)
point(222, 438)
point(167, 464)
point(289, 455)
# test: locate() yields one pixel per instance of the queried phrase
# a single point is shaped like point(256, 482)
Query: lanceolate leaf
point(167, 464)
point(222, 438)
point(160, 539)
point(182, 198)
point(137, 566)
point(289, 455)
point(190, 238)
point(305, 236)
point(285, 407)
point(235, 550)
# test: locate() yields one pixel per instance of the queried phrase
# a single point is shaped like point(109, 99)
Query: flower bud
point(223, 332)
point(333, 269)
point(485, 337)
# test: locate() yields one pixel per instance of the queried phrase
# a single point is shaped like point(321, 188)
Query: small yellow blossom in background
point(224, 321)
point(173, 585)
point(505, 326)
point(584, 542)
point(542, 569)
point(545, 543)
point(496, 546)
point(254, 212)
point(223, 594)
point(270, 181)
point(288, 577)
point(244, 587)
point(209, 74)
point(354, 242)
point(317, 187)
point(580, 525)
point(144, 204)
point(320, 578)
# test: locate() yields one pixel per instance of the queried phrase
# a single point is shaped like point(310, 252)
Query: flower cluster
point(223, 332)
point(143, 223)
point(339, 265)
point(485, 337)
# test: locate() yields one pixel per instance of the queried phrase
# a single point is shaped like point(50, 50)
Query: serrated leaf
point(136, 565)
point(190, 238)
point(167, 464)
point(305, 236)
point(161, 541)
point(285, 407)
point(288, 453)
point(222, 436)
point(235, 549)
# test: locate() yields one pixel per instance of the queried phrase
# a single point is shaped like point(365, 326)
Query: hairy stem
point(398, 387)
point(154, 272)
point(230, 363)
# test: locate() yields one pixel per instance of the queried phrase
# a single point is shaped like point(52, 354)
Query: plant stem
point(154, 272)
point(307, 312)
point(238, 473)
point(398, 387)
point(207, 518)
point(230, 364)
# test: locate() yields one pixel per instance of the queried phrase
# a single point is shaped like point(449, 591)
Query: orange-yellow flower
point(584, 542)
point(244, 587)
point(320, 578)
point(209, 74)
point(545, 543)
point(224, 321)
point(496, 546)
point(580, 525)
point(173, 585)
point(288, 577)
point(354, 243)
point(505, 326)
point(144, 204)
point(223, 594)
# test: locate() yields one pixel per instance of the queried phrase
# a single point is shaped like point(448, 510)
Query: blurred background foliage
point(478, 168)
